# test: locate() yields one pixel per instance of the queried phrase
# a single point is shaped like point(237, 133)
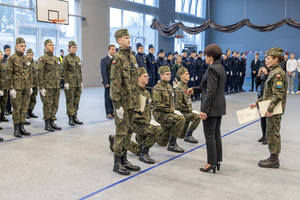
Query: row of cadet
point(22, 78)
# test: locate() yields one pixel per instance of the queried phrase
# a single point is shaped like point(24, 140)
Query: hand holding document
point(247, 115)
point(263, 107)
point(142, 103)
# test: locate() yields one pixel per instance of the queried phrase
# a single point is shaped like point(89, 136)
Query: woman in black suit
point(213, 105)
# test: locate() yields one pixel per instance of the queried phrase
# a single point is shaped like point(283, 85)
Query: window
point(191, 7)
point(16, 22)
point(146, 2)
point(138, 25)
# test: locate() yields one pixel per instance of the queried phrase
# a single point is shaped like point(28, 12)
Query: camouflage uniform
point(34, 85)
point(71, 73)
point(163, 112)
point(141, 126)
point(275, 90)
point(3, 87)
point(49, 79)
point(124, 93)
point(19, 78)
point(184, 105)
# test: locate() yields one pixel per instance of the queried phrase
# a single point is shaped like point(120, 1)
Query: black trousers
point(252, 83)
point(212, 132)
point(263, 123)
point(8, 105)
point(109, 108)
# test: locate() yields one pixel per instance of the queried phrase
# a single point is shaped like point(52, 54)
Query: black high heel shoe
point(218, 166)
point(211, 167)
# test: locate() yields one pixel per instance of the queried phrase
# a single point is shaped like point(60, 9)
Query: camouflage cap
point(72, 44)
point(29, 51)
point(141, 71)
point(275, 51)
point(163, 69)
point(20, 40)
point(121, 32)
point(181, 71)
point(48, 41)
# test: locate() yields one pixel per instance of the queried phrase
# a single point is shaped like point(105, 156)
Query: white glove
point(66, 85)
point(1, 93)
point(195, 112)
point(176, 112)
point(227, 72)
point(196, 77)
point(154, 123)
point(240, 73)
point(13, 93)
point(231, 73)
point(81, 85)
point(120, 112)
point(192, 79)
point(43, 92)
point(31, 91)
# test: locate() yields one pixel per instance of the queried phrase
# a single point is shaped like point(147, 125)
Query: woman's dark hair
point(214, 51)
point(280, 58)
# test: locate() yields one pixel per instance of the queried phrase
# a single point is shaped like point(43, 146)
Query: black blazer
point(255, 67)
point(104, 70)
point(213, 101)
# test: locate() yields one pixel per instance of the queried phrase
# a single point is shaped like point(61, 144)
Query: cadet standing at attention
point(49, 85)
point(169, 63)
point(275, 90)
point(19, 82)
point(71, 74)
point(171, 120)
point(184, 105)
point(145, 128)
point(140, 58)
point(33, 64)
point(7, 51)
point(2, 83)
point(150, 67)
point(3, 98)
point(124, 93)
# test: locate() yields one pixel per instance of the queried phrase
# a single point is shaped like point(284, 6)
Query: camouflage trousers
point(20, 105)
point(3, 101)
point(146, 136)
point(50, 103)
point(33, 98)
point(171, 126)
point(72, 100)
point(124, 131)
point(192, 121)
point(273, 134)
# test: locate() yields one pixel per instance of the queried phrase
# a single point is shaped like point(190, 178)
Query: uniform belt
point(181, 91)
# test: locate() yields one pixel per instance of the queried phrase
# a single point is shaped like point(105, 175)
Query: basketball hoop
point(179, 36)
point(58, 21)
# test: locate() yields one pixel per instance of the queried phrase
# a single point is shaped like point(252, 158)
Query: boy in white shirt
point(291, 67)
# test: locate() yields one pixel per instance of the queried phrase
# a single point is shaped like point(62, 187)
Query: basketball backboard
point(52, 11)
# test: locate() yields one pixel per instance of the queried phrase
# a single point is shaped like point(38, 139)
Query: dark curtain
point(168, 31)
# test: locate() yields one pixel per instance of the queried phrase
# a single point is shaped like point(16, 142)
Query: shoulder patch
point(278, 76)
point(7, 59)
point(279, 84)
point(114, 62)
point(41, 59)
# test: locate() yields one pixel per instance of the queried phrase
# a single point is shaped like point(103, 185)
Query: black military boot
point(189, 137)
point(173, 146)
point(17, 132)
point(71, 120)
point(76, 120)
point(1, 139)
point(111, 139)
point(118, 167)
point(265, 141)
point(54, 126)
point(144, 156)
point(31, 114)
point(271, 162)
point(26, 123)
point(23, 131)
point(127, 164)
point(27, 115)
point(3, 118)
point(1, 128)
point(48, 126)
point(9, 111)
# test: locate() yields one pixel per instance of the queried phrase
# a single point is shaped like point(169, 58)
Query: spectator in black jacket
point(105, 72)
point(254, 69)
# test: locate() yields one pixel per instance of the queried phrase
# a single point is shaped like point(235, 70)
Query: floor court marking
point(44, 133)
point(166, 161)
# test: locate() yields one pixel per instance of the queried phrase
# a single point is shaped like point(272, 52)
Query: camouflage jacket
point(34, 73)
point(2, 76)
point(181, 100)
point(49, 71)
point(18, 72)
point(163, 100)
point(275, 88)
point(124, 80)
point(144, 117)
point(71, 70)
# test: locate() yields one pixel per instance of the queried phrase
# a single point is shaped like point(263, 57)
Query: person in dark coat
point(254, 69)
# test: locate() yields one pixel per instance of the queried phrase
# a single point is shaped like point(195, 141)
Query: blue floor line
point(166, 161)
point(24, 137)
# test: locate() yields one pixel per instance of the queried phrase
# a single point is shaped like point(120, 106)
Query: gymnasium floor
point(76, 162)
